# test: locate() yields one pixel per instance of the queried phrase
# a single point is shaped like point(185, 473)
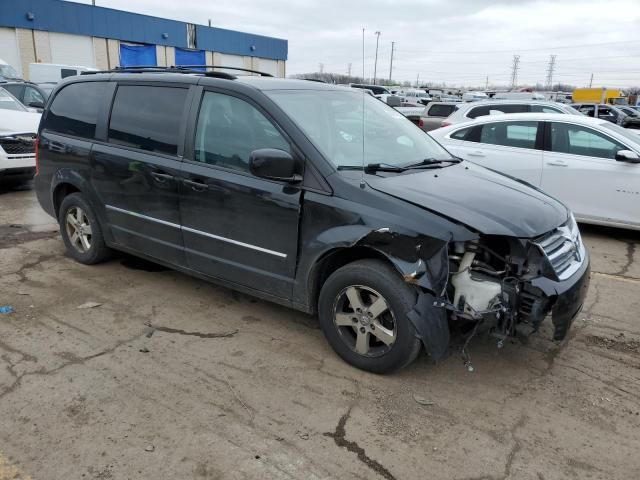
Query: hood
point(14, 121)
point(487, 201)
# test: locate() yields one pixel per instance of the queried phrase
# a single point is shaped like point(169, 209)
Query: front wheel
point(80, 230)
point(363, 310)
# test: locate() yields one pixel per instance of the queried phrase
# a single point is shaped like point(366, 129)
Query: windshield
point(625, 132)
point(9, 102)
point(7, 71)
point(333, 121)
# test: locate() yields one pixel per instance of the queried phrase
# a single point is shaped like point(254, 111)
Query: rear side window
point(74, 110)
point(147, 117)
point(441, 110)
point(510, 134)
point(461, 134)
point(506, 108)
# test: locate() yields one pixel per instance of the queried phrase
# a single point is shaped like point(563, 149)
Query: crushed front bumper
point(564, 298)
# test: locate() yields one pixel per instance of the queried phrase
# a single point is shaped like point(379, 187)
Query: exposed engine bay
point(499, 280)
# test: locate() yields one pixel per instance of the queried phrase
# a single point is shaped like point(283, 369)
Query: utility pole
point(417, 80)
point(591, 81)
point(321, 67)
point(349, 69)
point(550, 70)
point(391, 64)
point(514, 71)
point(209, 22)
point(375, 63)
point(486, 84)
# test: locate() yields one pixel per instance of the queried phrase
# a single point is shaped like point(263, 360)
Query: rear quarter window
point(74, 110)
point(441, 110)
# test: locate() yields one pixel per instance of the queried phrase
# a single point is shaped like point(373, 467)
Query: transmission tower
point(514, 71)
point(550, 70)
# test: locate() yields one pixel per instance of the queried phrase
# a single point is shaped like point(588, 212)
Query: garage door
point(71, 50)
point(268, 66)
point(231, 61)
point(9, 48)
point(186, 56)
point(137, 55)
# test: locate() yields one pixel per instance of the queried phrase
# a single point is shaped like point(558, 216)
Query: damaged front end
point(510, 283)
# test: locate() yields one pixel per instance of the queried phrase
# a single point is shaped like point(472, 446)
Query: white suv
point(18, 129)
point(469, 111)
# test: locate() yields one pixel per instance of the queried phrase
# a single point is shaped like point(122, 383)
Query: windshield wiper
point(431, 161)
point(373, 167)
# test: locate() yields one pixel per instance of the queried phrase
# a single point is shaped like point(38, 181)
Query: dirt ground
point(174, 378)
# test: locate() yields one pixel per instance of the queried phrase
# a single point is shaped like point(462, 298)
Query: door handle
point(161, 177)
point(557, 163)
point(476, 153)
point(199, 186)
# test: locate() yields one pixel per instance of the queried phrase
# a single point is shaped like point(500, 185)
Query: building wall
point(9, 48)
point(19, 47)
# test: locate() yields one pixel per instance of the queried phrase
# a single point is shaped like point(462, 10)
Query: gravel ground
point(169, 377)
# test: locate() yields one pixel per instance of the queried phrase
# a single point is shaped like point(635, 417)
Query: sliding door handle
point(196, 186)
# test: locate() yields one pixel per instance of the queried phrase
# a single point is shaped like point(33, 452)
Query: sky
point(459, 42)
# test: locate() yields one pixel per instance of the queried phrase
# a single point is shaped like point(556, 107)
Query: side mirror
point(627, 156)
point(275, 164)
point(36, 104)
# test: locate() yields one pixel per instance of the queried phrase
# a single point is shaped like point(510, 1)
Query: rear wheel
point(363, 310)
point(80, 230)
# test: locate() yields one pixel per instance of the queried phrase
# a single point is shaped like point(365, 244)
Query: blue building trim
point(81, 19)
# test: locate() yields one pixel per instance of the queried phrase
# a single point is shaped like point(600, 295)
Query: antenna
point(362, 184)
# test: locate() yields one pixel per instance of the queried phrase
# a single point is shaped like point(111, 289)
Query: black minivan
point(314, 196)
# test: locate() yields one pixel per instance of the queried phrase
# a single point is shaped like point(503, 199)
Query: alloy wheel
point(78, 229)
point(365, 321)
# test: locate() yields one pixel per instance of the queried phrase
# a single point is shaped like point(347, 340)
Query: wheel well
point(334, 260)
point(59, 193)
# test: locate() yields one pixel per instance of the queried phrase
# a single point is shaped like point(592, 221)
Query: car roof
point(540, 117)
point(509, 101)
point(256, 82)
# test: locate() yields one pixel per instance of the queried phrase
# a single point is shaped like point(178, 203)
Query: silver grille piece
point(564, 249)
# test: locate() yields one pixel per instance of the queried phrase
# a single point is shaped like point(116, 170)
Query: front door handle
point(557, 163)
point(161, 177)
point(198, 186)
point(476, 153)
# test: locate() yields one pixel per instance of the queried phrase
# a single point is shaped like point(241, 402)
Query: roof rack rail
point(262, 74)
point(156, 69)
point(206, 70)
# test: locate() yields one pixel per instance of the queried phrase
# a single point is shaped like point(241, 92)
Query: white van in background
point(474, 96)
point(54, 72)
point(518, 96)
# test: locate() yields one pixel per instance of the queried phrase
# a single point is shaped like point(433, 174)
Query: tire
point(94, 250)
point(362, 342)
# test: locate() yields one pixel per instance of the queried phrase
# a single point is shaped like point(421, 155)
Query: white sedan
point(592, 165)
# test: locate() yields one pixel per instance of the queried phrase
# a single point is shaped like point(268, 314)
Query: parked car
point(375, 89)
point(610, 113)
point(468, 111)
point(18, 129)
point(592, 165)
point(474, 96)
point(433, 115)
point(7, 72)
point(414, 96)
point(310, 195)
point(29, 94)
